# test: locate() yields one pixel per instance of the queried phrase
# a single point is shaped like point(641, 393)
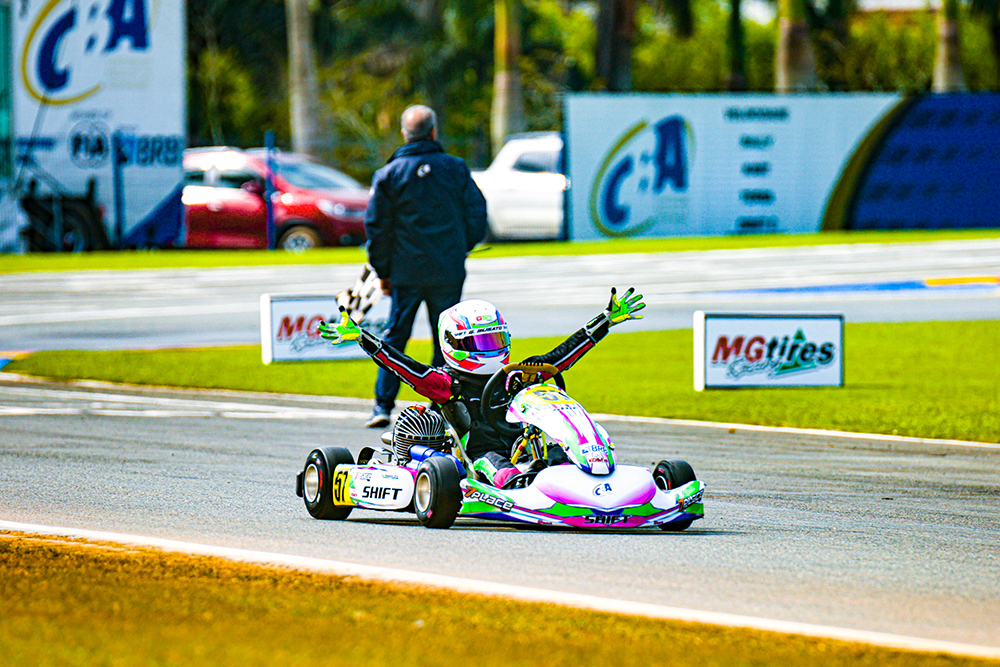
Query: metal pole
point(269, 187)
point(118, 159)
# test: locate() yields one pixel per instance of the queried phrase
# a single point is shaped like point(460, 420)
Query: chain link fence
point(13, 221)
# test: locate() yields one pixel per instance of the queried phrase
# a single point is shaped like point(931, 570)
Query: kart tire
point(317, 482)
point(676, 526)
point(672, 475)
point(437, 496)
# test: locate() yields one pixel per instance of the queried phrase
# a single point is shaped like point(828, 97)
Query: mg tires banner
point(734, 350)
point(704, 165)
point(289, 327)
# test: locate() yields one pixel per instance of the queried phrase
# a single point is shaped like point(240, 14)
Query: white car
point(524, 188)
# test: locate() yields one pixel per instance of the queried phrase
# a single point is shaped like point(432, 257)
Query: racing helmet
point(417, 425)
point(474, 337)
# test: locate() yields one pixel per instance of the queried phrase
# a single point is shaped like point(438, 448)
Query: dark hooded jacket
point(424, 216)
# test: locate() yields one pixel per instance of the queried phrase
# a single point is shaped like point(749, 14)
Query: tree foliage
point(379, 56)
point(236, 71)
point(894, 51)
point(666, 62)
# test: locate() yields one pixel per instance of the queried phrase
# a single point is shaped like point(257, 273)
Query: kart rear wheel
point(672, 475)
point(317, 482)
point(437, 496)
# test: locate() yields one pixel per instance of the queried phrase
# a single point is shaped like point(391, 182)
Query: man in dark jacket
point(424, 216)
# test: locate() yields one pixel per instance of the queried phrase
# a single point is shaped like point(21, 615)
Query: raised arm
point(583, 340)
point(429, 382)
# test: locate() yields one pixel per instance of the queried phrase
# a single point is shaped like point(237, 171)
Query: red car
point(224, 203)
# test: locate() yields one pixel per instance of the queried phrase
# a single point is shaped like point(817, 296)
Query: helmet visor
point(481, 342)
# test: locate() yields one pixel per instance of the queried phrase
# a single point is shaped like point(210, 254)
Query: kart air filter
point(417, 425)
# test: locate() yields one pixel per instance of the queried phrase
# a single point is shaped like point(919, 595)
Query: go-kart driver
point(475, 341)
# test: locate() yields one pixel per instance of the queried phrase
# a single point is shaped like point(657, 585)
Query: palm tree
point(737, 79)
point(831, 29)
point(615, 32)
point(991, 10)
point(507, 113)
point(303, 82)
point(795, 64)
point(429, 15)
point(948, 61)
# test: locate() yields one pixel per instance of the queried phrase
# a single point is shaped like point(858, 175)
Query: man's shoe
point(379, 419)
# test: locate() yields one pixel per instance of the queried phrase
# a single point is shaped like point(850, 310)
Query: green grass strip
point(172, 259)
point(919, 379)
point(77, 603)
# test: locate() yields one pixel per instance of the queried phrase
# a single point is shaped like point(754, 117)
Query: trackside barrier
point(756, 350)
point(289, 325)
point(655, 165)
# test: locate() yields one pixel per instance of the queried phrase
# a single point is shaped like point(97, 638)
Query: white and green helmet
point(474, 337)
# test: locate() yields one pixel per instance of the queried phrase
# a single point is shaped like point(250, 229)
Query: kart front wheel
point(673, 475)
point(437, 496)
point(317, 482)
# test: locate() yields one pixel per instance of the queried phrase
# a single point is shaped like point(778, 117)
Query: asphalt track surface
point(890, 536)
point(871, 534)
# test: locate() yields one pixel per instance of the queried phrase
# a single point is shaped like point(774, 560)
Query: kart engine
point(418, 425)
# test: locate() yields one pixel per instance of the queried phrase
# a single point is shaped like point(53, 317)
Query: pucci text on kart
point(424, 470)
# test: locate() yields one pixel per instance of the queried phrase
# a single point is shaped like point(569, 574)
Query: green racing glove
point(338, 334)
point(625, 308)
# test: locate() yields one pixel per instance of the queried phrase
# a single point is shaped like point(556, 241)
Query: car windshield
point(538, 162)
point(311, 176)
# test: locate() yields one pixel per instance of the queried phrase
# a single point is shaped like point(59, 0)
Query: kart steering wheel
point(505, 383)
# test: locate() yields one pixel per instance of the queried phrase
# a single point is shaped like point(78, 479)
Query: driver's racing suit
point(489, 451)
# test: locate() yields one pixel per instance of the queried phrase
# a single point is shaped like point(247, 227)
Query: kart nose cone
point(625, 487)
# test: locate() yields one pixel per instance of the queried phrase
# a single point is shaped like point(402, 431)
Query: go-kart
point(425, 472)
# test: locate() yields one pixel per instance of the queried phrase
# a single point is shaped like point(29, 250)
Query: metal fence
point(12, 221)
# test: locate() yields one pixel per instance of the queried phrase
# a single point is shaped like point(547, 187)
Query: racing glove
point(619, 310)
point(338, 334)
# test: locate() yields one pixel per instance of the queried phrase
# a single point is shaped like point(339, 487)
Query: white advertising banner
point(734, 350)
point(289, 328)
point(704, 165)
point(99, 94)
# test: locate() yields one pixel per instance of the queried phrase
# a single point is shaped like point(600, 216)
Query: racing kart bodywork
point(590, 490)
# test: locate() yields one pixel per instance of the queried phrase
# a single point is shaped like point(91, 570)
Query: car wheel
point(299, 238)
point(672, 475)
point(437, 496)
point(317, 483)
